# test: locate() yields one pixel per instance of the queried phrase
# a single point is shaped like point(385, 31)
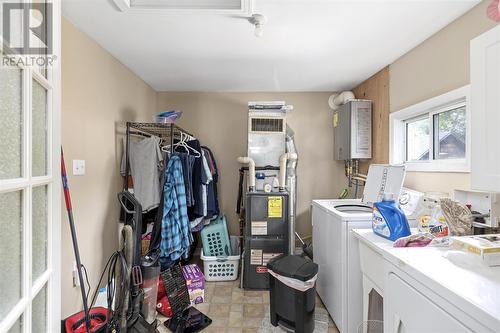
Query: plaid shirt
point(175, 233)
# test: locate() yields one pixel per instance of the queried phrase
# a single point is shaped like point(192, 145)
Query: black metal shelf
point(166, 132)
point(163, 131)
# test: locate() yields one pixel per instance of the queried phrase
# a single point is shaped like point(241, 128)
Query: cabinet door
point(408, 311)
point(485, 111)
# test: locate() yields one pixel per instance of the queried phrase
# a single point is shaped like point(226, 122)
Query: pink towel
point(415, 240)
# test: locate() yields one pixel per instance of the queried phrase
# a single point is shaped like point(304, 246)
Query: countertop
point(471, 286)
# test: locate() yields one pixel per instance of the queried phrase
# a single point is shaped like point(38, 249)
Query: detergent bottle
point(389, 221)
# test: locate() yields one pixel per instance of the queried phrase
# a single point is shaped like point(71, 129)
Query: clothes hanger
point(197, 154)
point(188, 148)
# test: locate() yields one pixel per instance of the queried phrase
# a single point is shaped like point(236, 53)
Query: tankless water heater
point(352, 130)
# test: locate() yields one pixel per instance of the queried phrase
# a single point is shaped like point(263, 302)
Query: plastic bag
point(437, 224)
point(294, 283)
point(426, 209)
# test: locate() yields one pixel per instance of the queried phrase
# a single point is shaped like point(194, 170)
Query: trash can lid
point(295, 267)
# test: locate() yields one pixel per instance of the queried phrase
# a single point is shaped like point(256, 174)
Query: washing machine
point(336, 251)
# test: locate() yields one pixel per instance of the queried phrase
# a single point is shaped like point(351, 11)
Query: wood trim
point(376, 89)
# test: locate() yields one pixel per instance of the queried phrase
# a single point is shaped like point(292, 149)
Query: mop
point(67, 199)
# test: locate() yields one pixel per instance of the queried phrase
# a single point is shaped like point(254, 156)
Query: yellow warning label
point(335, 119)
point(275, 207)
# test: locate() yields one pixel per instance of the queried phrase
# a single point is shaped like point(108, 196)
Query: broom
point(67, 199)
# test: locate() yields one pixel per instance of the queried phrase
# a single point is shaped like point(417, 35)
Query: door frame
point(52, 276)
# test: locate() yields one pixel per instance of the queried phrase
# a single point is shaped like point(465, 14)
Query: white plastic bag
point(294, 283)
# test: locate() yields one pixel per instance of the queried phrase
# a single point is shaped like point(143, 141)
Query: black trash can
point(292, 292)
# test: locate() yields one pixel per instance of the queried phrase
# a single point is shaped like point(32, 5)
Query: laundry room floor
point(234, 310)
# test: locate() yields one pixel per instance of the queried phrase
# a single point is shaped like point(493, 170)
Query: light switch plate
point(78, 167)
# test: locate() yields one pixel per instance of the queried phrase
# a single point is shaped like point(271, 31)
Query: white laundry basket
point(223, 268)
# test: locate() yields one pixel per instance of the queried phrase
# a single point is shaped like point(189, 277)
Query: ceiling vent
point(233, 7)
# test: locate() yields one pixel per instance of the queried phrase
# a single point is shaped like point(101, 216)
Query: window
point(432, 135)
point(450, 134)
point(417, 139)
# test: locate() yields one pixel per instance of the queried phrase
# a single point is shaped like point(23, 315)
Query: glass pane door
point(39, 227)
point(11, 256)
point(11, 120)
point(39, 130)
point(29, 185)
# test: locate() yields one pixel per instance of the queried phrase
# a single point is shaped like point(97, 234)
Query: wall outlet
point(78, 167)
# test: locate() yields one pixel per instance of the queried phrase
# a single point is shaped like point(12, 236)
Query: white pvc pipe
point(338, 99)
point(283, 159)
point(251, 171)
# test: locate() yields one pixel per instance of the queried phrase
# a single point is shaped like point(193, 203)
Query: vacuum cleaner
point(127, 315)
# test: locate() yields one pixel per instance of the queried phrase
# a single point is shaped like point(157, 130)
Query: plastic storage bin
point(215, 238)
point(222, 268)
point(293, 292)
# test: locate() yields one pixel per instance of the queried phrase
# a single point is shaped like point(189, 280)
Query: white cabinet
point(408, 311)
point(424, 292)
point(485, 111)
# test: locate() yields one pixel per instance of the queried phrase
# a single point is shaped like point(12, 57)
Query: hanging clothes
point(196, 210)
point(145, 158)
point(176, 236)
point(156, 233)
point(187, 169)
point(212, 195)
point(206, 179)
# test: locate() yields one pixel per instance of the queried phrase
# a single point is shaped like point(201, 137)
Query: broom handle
point(69, 208)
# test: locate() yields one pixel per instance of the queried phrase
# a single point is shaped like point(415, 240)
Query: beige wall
point(438, 65)
point(219, 120)
point(97, 92)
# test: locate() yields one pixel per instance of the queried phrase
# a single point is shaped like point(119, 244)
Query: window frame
point(428, 109)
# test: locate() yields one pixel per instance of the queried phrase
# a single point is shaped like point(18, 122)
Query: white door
point(485, 115)
point(408, 311)
point(30, 191)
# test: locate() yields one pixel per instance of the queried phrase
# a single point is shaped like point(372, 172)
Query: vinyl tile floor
point(234, 310)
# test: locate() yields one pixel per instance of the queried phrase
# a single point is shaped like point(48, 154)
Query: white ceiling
point(308, 45)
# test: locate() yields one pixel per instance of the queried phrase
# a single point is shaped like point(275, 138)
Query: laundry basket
point(222, 268)
point(215, 238)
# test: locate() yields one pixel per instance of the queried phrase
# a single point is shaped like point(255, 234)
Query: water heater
point(352, 130)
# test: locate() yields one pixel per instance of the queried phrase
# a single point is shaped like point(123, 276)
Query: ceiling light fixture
point(258, 20)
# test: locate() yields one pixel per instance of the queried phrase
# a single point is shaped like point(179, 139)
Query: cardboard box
point(195, 282)
point(485, 247)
